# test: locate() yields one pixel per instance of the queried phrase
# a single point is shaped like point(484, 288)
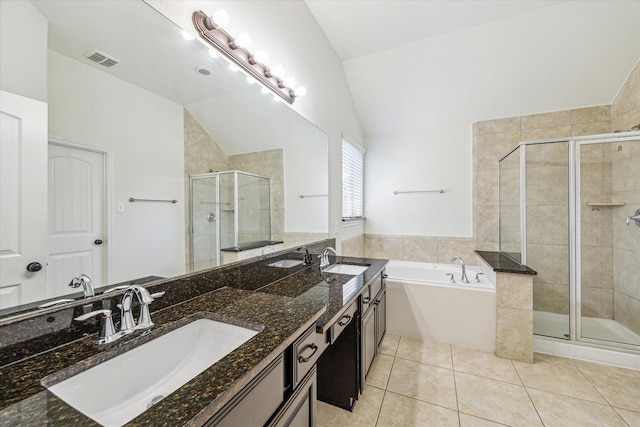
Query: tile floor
point(426, 383)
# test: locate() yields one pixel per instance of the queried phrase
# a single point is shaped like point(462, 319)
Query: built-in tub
point(423, 304)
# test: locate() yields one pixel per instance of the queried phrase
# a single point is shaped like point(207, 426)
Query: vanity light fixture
point(235, 50)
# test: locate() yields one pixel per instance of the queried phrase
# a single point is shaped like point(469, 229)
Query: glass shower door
point(205, 252)
point(609, 248)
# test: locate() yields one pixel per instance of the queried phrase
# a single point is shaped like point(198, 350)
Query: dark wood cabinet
point(300, 409)
point(369, 342)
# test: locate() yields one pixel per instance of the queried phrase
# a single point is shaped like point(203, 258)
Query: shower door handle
point(211, 217)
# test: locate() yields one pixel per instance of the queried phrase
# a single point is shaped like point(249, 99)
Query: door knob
point(34, 267)
point(98, 242)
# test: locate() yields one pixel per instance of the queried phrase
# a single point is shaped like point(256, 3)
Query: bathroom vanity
point(317, 333)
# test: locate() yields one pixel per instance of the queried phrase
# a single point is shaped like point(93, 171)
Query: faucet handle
point(158, 295)
point(107, 330)
point(477, 279)
point(451, 280)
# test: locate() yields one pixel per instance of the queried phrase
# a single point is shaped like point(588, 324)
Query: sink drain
point(155, 400)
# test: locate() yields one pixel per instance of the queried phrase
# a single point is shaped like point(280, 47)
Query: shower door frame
point(217, 212)
point(575, 279)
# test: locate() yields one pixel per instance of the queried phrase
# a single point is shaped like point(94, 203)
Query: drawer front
point(347, 317)
point(376, 286)
point(306, 350)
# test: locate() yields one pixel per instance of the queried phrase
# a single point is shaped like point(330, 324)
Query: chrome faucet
point(128, 324)
point(324, 258)
point(84, 281)
point(464, 278)
point(108, 333)
point(308, 260)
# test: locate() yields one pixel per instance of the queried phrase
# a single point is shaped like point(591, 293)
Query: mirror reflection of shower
point(230, 212)
point(567, 210)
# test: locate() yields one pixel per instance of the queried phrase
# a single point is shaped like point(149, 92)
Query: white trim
point(352, 141)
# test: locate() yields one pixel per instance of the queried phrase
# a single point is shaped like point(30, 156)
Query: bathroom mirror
point(153, 110)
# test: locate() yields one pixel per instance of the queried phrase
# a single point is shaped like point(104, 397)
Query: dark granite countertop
point(284, 302)
point(504, 264)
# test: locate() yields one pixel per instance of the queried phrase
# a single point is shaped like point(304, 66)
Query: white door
point(76, 217)
point(23, 199)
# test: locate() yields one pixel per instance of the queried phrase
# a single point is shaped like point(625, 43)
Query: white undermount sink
point(285, 263)
point(118, 390)
point(351, 269)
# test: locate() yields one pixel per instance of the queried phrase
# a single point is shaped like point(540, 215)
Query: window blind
point(352, 182)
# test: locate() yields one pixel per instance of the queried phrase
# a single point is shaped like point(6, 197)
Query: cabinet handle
point(313, 347)
point(385, 275)
point(366, 300)
point(341, 323)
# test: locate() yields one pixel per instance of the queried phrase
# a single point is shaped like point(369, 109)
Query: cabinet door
point(368, 340)
point(300, 409)
point(381, 316)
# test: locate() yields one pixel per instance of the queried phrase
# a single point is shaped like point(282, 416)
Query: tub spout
point(464, 278)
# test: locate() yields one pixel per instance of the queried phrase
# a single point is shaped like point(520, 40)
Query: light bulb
point(187, 35)
point(214, 53)
point(301, 91)
point(289, 81)
point(265, 90)
point(251, 80)
point(233, 67)
point(242, 41)
point(277, 70)
point(219, 19)
point(261, 57)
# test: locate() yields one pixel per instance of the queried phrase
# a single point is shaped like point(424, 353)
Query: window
point(352, 181)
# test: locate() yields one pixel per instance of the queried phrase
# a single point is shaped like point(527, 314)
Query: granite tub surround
point(514, 306)
point(280, 302)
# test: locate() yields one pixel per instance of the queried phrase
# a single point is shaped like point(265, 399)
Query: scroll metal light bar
point(226, 45)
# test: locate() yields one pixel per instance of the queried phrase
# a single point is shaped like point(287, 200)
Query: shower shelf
point(598, 205)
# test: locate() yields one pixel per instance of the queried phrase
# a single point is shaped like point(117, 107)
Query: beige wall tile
point(595, 128)
point(487, 223)
point(626, 311)
point(450, 247)
point(514, 291)
point(487, 187)
point(628, 97)
point(546, 120)
point(600, 113)
point(550, 261)
point(379, 246)
point(548, 225)
point(551, 297)
point(546, 133)
point(514, 334)
point(510, 124)
point(626, 121)
point(353, 246)
point(492, 147)
point(419, 248)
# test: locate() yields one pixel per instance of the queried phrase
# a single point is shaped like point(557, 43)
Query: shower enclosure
point(567, 209)
point(228, 209)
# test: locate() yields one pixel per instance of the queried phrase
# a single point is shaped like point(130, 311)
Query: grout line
point(455, 385)
point(535, 408)
point(620, 415)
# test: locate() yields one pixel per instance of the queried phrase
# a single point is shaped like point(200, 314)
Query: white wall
point(288, 31)
point(571, 55)
point(23, 50)
point(144, 134)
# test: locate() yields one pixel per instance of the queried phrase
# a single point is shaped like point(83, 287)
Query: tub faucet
point(84, 281)
point(464, 278)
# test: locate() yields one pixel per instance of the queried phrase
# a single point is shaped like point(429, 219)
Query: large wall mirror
point(157, 119)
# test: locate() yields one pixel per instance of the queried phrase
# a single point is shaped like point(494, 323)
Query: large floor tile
point(380, 370)
point(632, 418)
point(484, 364)
point(428, 383)
point(621, 392)
point(365, 413)
point(589, 369)
point(495, 400)
point(560, 378)
point(389, 344)
point(431, 352)
point(402, 411)
point(556, 410)
point(471, 421)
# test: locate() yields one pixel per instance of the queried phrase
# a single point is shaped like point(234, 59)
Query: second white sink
point(118, 390)
point(351, 269)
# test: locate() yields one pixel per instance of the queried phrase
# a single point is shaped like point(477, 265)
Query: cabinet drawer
point(366, 299)
point(306, 350)
point(347, 317)
point(376, 286)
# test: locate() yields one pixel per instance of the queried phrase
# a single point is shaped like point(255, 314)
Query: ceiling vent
point(101, 58)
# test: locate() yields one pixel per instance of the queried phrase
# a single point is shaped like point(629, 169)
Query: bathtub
point(422, 304)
